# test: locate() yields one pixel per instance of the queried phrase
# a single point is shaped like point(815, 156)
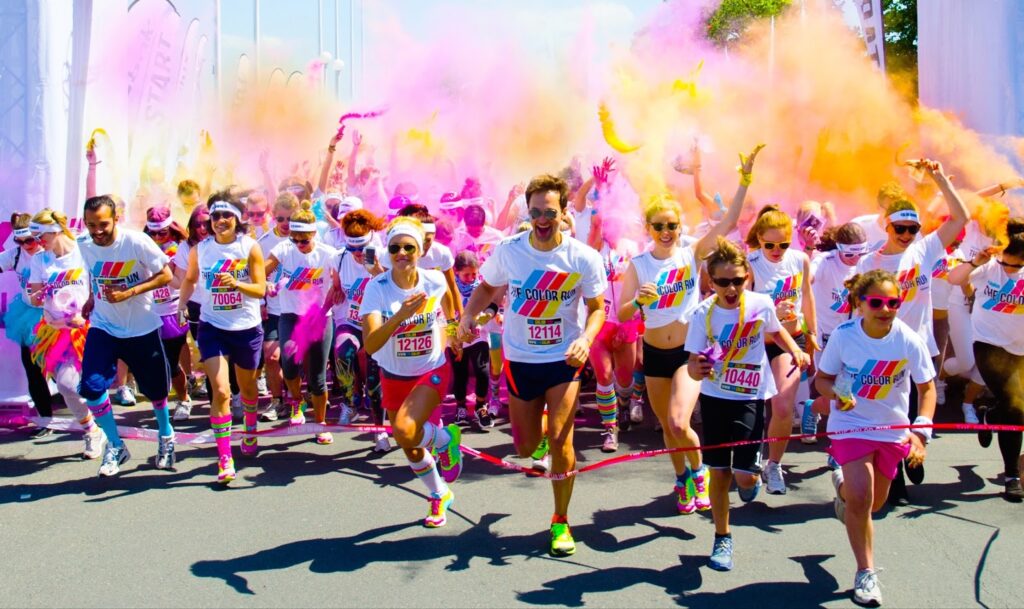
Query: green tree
point(735, 15)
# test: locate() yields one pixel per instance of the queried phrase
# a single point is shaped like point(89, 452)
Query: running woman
point(783, 273)
point(546, 336)
point(166, 233)
point(403, 321)
point(124, 267)
point(227, 273)
point(726, 339)
point(351, 364)
point(867, 368)
point(911, 260)
point(58, 282)
point(22, 316)
point(308, 279)
point(662, 285)
point(998, 325)
point(284, 207)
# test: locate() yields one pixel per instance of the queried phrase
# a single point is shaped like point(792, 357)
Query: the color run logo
point(58, 280)
point(303, 278)
point(744, 339)
point(423, 319)
point(170, 248)
point(542, 293)
point(673, 286)
point(877, 378)
point(225, 298)
point(788, 288)
point(355, 297)
point(910, 281)
point(113, 275)
point(840, 301)
point(943, 267)
point(1006, 299)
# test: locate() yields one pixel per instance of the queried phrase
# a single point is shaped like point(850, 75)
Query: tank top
point(676, 281)
point(781, 281)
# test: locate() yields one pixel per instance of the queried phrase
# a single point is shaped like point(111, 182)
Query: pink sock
point(222, 432)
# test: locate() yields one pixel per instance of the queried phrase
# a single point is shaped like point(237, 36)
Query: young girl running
point(227, 271)
point(475, 353)
point(998, 326)
point(309, 278)
point(726, 344)
point(662, 284)
point(783, 273)
point(403, 314)
point(58, 282)
point(867, 368)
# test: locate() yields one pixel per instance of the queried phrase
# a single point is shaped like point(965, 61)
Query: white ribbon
point(852, 248)
point(429, 228)
point(905, 215)
point(22, 233)
point(409, 230)
point(165, 223)
point(359, 241)
point(225, 206)
point(45, 228)
point(301, 227)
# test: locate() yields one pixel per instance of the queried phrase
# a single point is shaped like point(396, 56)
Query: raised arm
point(325, 170)
point(958, 214)
point(732, 214)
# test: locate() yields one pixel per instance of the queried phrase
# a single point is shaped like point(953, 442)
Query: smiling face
point(774, 243)
point(875, 307)
point(729, 274)
point(545, 215)
point(664, 227)
point(101, 225)
point(902, 240)
point(404, 252)
point(223, 224)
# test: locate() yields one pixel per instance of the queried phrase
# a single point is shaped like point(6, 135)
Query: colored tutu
point(20, 321)
point(55, 347)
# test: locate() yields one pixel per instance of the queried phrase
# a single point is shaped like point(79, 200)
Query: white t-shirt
point(354, 279)
point(876, 234)
point(165, 299)
point(543, 315)
point(582, 221)
point(55, 273)
point(881, 370)
point(305, 278)
point(130, 260)
point(998, 314)
point(940, 281)
point(831, 298)
point(783, 280)
point(747, 374)
point(676, 280)
point(180, 261)
point(482, 246)
point(8, 259)
point(417, 347)
point(267, 243)
point(221, 306)
point(912, 269)
point(615, 264)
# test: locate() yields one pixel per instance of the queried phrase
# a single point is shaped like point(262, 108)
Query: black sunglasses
point(281, 219)
point(769, 245)
point(256, 214)
point(550, 214)
point(876, 302)
point(408, 248)
point(724, 282)
point(1010, 266)
point(221, 215)
point(660, 226)
point(355, 248)
point(32, 240)
point(300, 241)
point(899, 229)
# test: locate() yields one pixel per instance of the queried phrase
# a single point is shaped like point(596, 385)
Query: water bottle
point(843, 388)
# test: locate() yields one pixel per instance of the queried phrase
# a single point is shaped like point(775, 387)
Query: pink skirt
point(887, 455)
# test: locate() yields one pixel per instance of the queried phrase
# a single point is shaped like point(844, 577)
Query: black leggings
point(172, 349)
point(1004, 375)
point(479, 356)
point(38, 390)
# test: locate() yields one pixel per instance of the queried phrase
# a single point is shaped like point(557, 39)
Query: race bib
point(414, 344)
point(226, 301)
point(544, 332)
point(162, 295)
point(740, 379)
point(353, 315)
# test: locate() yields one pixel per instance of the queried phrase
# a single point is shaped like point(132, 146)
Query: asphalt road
point(308, 525)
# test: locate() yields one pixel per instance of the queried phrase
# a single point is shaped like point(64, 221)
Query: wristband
point(971, 262)
point(926, 432)
point(636, 303)
point(746, 179)
point(493, 308)
point(331, 149)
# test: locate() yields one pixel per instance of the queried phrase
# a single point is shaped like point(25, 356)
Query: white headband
point(408, 230)
point(429, 228)
point(359, 241)
point(301, 227)
point(852, 248)
point(45, 228)
point(166, 222)
point(225, 206)
point(905, 215)
point(22, 233)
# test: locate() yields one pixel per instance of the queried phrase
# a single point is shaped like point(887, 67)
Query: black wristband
point(493, 308)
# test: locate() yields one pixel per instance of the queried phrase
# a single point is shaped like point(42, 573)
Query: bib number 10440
point(543, 332)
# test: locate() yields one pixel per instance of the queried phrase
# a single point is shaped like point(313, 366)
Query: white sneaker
point(543, 465)
point(636, 411)
point(113, 458)
point(347, 414)
point(183, 411)
point(165, 453)
point(838, 504)
point(261, 385)
point(970, 414)
point(775, 482)
point(125, 395)
point(270, 413)
point(940, 392)
point(94, 444)
point(866, 589)
point(382, 443)
point(237, 414)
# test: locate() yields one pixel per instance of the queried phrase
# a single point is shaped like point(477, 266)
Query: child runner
point(403, 312)
point(475, 353)
point(867, 368)
point(546, 336)
point(726, 342)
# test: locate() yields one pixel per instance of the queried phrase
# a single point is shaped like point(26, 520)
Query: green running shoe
point(562, 543)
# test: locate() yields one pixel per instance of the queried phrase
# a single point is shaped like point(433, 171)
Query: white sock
point(434, 436)
point(426, 470)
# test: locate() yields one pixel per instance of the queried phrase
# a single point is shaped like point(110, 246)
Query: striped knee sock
point(163, 418)
point(434, 437)
point(639, 385)
point(250, 414)
point(222, 432)
point(494, 384)
point(607, 405)
point(623, 394)
point(104, 416)
point(426, 470)
point(88, 424)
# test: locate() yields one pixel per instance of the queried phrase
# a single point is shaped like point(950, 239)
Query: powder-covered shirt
point(55, 272)
point(998, 314)
point(675, 278)
point(305, 278)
